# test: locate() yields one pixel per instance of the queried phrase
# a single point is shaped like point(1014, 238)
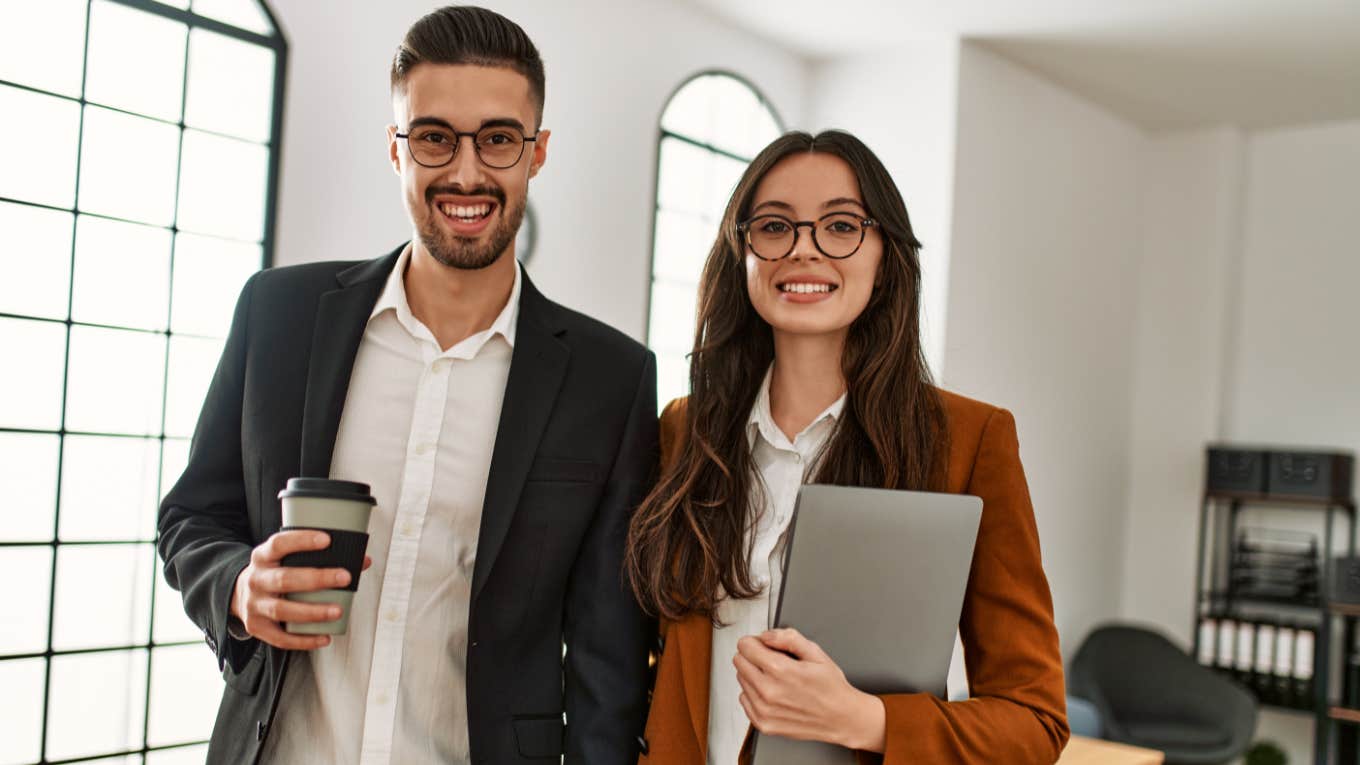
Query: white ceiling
point(1161, 63)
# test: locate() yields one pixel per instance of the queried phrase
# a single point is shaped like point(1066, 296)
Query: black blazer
point(575, 452)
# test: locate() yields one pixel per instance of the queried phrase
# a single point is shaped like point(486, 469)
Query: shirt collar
point(393, 298)
point(761, 421)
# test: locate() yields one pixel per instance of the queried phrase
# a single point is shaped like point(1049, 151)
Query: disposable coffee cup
point(341, 509)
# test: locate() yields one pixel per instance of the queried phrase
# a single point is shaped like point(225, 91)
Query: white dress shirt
point(419, 424)
point(782, 466)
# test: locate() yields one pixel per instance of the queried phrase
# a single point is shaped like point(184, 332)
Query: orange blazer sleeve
point(1017, 710)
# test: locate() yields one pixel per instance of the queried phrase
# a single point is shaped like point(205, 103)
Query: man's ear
point(540, 154)
point(393, 149)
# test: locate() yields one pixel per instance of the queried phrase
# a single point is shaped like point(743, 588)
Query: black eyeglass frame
point(865, 224)
point(476, 147)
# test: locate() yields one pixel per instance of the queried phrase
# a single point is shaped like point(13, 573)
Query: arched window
point(710, 130)
point(138, 164)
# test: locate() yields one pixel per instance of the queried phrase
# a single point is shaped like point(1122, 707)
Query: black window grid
point(278, 44)
point(662, 136)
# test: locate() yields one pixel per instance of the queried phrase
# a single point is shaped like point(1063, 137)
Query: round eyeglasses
point(498, 147)
point(835, 235)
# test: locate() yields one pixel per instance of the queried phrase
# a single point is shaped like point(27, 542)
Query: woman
point(807, 367)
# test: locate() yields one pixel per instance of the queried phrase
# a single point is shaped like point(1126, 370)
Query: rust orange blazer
point(1017, 711)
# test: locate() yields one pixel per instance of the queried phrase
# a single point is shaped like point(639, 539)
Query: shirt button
point(392, 616)
point(408, 529)
point(424, 449)
point(381, 699)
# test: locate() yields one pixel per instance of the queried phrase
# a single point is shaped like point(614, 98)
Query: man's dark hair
point(465, 34)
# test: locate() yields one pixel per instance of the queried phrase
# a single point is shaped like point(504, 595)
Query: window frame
point(278, 44)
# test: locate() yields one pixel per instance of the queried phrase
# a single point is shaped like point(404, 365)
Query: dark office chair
point(1151, 694)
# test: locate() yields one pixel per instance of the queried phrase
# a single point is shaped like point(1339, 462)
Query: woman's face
point(808, 293)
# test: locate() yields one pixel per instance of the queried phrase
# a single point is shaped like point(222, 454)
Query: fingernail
point(333, 613)
point(342, 578)
point(320, 539)
point(323, 642)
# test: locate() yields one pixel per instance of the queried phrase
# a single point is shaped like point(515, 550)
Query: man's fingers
point(367, 562)
point(276, 579)
point(280, 610)
point(274, 635)
point(284, 543)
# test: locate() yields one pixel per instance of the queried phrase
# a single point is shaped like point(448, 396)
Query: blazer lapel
point(341, 318)
point(537, 367)
point(695, 636)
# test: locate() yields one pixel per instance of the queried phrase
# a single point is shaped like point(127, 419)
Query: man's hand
point(258, 598)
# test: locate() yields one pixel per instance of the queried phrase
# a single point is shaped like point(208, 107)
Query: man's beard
point(467, 253)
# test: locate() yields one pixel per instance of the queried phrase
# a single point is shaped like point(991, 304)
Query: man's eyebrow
point(495, 122)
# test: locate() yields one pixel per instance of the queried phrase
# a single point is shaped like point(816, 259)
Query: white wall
point(1043, 268)
point(1296, 358)
point(903, 105)
point(610, 67)
point(1187, 280)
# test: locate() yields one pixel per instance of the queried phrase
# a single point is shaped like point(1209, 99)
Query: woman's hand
point(791, 688)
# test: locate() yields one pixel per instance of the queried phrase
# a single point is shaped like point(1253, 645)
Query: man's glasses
point(836, 235)
point(498, 147)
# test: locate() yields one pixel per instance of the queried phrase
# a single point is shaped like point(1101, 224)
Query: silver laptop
point(876, 578)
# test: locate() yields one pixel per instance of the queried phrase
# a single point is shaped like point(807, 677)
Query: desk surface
point(1090, 751)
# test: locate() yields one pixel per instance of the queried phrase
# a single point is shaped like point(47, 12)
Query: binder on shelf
point(1263, 669)
point(1304, 640)
point(1245, 657)
point(1227, 643)
point(1284, 665)
point(1208, 633)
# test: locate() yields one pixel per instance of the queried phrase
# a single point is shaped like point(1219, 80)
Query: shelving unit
point(1333, 699)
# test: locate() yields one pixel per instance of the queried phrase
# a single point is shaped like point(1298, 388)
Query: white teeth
point(467, 214)
point(804, 288)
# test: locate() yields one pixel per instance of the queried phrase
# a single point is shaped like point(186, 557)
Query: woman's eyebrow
point(843, 201)
point(774, 203)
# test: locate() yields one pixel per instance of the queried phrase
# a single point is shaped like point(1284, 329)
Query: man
point(506, 440)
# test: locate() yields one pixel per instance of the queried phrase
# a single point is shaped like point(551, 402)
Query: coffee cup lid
point(327, 488)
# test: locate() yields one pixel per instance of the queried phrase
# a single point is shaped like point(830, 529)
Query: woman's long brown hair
point(687, 543)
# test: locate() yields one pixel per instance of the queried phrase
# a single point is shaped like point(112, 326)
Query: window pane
point(27, 574)
point(690, 111)
point(681, 246)
point(231, 86)
point(126, 759)
point(736, 108)
point(32, 399)
point(185, 691)
point(136, 60)
point(42, 46)
point(28, 471)
point(722, 176)
point(108, 488)
point(245, 14)
point(672, 378)
point(174, 456)
point(222, 187)
point(96, 703)
point(172, 624)
point(185, 755)
point(127, 167)
point(192, 362)
point(122, 274)
point(21, 707)
point(209, 274)
point(671, 328)
point(36, 259)
point(682, 183)
point(38, 168)
point(116, 381)
point(103, 596)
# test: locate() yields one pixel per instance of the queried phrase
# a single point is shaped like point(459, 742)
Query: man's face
point(465, 213)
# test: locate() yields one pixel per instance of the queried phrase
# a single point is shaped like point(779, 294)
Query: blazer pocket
point(247, 681)
point(540, 735)
point(557, 470)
